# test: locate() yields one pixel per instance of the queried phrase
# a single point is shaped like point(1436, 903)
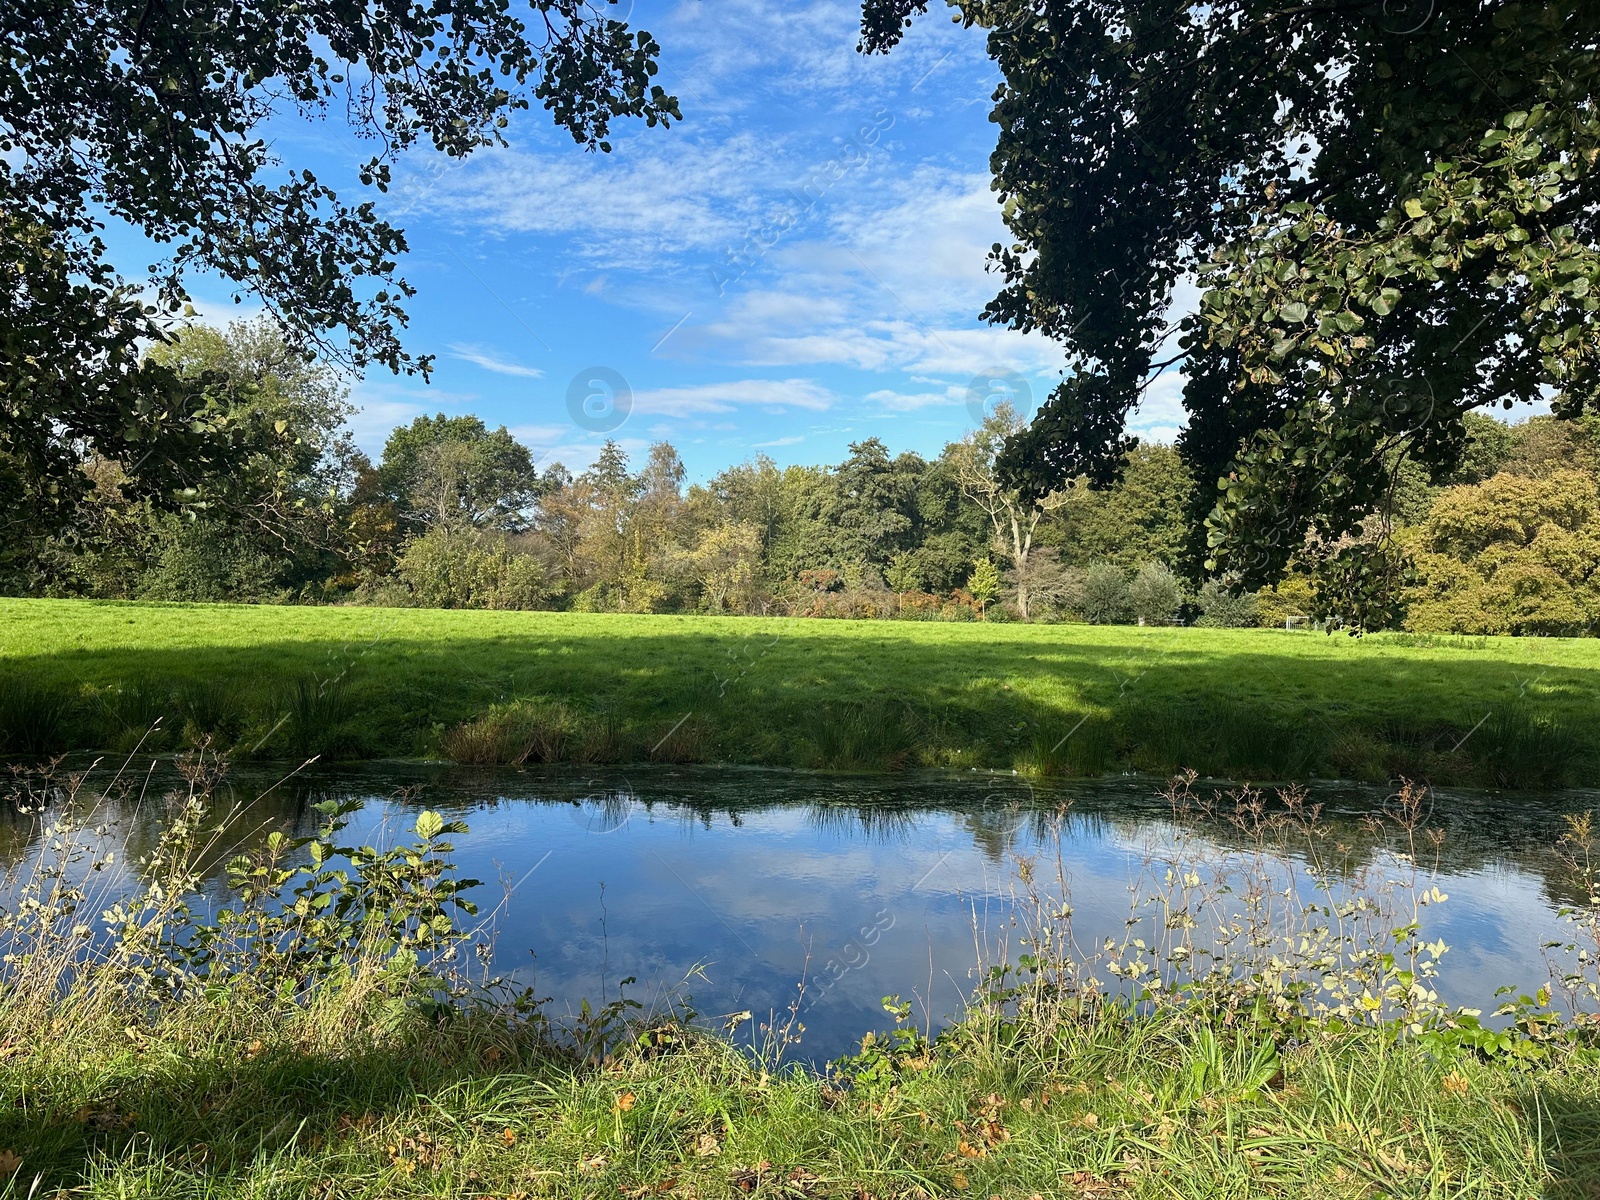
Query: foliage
point(454, 472)
point(1155, 595)
point(1510, 555)
point(156, 114)
point(1384, 246)
point(453, 568)
point(984, 584)
point(76, 389)
point(1104, 596)
point(1222, 607)
point(1143, 517)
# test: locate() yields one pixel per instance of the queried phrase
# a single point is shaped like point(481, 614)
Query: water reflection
point(725, 888)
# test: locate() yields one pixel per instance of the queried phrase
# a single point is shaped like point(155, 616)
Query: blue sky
point(797, 266)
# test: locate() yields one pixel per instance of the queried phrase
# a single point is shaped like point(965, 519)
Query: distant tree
point(455, 471)
point(902, 574)
point(1512, 555)
point(1141, 517)
point(985, 583)
point(1013, 513)
point(1225, 608)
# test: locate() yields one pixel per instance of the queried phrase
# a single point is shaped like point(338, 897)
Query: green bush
point(1106, 595)
point(1155, 595)
point(1221, 608)
point(447, 568)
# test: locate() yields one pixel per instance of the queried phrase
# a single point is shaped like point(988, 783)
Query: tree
point(1514, 554)
point(455, 471)
point(154, 111)
point(902, 574)
point(1142, 517)
point(1013, 512)
point(984, 585)
point(1103, 595)
point(76, 386)
point(1390, 210)
point(275, 521)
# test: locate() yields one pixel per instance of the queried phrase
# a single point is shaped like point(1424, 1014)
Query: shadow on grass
point(845, 700)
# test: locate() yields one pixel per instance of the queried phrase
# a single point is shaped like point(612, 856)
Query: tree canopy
point(1391, 210)
point(154, 113)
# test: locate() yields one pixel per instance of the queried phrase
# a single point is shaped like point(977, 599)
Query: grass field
point(1052, 700)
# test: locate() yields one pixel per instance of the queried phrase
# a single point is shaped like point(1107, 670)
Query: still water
point(724, 888)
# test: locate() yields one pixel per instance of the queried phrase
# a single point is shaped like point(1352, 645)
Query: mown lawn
point(1064, 699)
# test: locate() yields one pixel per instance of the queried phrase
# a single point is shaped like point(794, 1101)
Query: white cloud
point(791, 440)
point(489, 361)
point(699, 399)
point(902, 402)
point(1160, 414)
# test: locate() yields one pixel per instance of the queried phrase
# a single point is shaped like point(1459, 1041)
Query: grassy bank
point(322, 1036)
point(221, 1102)
point(1054, 700)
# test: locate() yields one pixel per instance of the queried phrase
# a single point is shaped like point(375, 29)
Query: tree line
point(455, 514)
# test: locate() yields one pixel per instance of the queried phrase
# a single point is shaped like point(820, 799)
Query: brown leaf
point(625, 1101)
point(508, 1136)
point(10, 1163)
point(708, 1146)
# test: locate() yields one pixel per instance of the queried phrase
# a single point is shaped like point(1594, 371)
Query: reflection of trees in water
point(1001, 815)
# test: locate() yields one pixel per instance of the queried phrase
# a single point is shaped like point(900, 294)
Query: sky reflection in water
point(726, 887)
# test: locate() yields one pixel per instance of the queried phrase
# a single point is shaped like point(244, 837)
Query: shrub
point(446, 568)
point(1155, 594)
point(1105, 595)
point(1221, 608)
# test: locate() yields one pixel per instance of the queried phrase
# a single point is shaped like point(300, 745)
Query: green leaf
point(429, 824)
point(1414, 208)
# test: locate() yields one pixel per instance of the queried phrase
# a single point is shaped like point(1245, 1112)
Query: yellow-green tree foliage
point(1513, 554)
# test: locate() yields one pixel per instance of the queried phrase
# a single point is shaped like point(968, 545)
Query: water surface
point(725, 888)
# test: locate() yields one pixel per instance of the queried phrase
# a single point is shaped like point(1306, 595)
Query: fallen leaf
point(593, 1162)
point(708, 1146)
point(1455, 1082)
point(625, 1101)
point(509, 1137)
point(959, 1182)
point(10, 1163)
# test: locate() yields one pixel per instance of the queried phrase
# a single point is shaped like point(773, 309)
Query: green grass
point(212, 1101)
point(358, 682)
